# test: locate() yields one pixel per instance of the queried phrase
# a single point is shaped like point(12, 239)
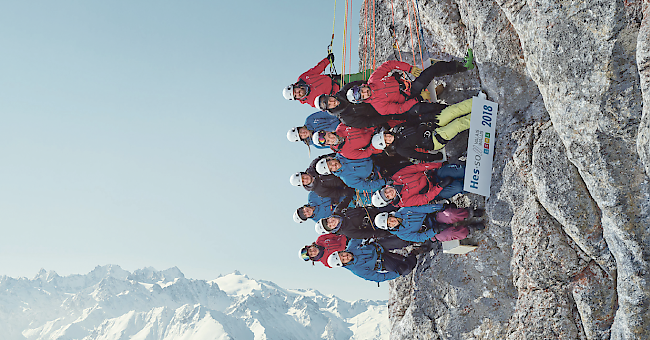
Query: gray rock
point(566, 251)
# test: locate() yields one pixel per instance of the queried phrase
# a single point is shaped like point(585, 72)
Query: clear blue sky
point(148, 133)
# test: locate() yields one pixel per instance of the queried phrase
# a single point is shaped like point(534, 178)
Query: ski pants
point(454, 171)
point(452, 120)
point(437, 69)
point(453, 233)
point(452, 215)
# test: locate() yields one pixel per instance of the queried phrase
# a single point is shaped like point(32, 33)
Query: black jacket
point(327, 185)
point(409, 136)
point(361, 115)
point(360, 222)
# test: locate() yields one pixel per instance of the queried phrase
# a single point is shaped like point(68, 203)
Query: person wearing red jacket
point(324, 246)
point(412, 186)
point(313, 83)
point(389, 96)
point(350, 142)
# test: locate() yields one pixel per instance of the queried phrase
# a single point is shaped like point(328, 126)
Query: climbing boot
point(468, 62)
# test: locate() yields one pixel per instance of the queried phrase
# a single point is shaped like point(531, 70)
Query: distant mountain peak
point(110, 303)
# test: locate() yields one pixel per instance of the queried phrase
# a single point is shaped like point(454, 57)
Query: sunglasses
point(321, 137)
point(303, 254)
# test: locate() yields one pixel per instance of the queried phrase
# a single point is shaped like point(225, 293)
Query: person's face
point(306, 179)
point(304, 133)
point(332, 103)
point(345, 257)
point(334, 165)
point(331, 139)
point(308, 211)
point(390, 193)
point(392, 221)
point(332, 222)
point(312, 251)
point(299, 92)
point(365, 92)
point(388, 138)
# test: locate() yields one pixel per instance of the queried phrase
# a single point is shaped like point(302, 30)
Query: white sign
point(480, 146)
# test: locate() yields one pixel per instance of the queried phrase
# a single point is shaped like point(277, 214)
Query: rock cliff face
point(566, 251)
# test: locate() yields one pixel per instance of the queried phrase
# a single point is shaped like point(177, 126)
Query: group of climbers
point(385, 185)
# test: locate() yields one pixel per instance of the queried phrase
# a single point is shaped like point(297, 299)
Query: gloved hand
point(416, 71)
point(445, 182)
point(331, 57)
point(426, 95)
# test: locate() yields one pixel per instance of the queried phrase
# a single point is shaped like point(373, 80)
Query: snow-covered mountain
point(110, 303)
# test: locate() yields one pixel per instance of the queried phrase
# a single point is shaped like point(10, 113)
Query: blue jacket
point(412, 220)
point(364, 263)
point(321, 120)
point(323, 206)
point(359, 174)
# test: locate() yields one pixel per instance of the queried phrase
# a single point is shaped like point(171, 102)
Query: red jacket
point(386, 97)
point(357, 142)
point(331, 243)
point(413, 179)
point(318, 83)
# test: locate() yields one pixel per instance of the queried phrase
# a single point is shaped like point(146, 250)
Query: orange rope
point(417, 30)
point(345, 32)
point(365, 35)
point(374, 30)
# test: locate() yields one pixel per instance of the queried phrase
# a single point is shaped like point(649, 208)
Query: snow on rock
point(110, 303)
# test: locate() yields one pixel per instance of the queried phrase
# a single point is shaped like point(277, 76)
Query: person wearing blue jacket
point(317, 121)
point(372, 261)
point(407, 222)
point(360, 174)
point(420, 223)
point(318, 207)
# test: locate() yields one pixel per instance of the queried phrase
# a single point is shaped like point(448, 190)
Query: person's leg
point(456, 171)
point(445, 133)
point(454, 111)
point(452, 215)
point(453, 233)
point(437, 69)
point(456, 187)
point(426, 112)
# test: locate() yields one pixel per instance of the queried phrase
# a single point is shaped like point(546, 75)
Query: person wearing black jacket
point(361, 115)
point(354, 222)
point(324, 185)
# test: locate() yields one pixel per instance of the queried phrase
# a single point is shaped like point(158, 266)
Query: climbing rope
point(417, 31)
point(372, 224)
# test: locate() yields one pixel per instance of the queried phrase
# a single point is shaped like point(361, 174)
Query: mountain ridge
point(112, 303)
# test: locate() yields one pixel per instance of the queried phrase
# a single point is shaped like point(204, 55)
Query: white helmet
point(320, 229)
point(334, 260)
point(296, 217)
point(293, 135)
point(322, 168)
point(287, 92)
point(317, 101)
point(378, 200)
point(354, 95)
point(381, 221)
point(296, 179)
point(378, 141)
